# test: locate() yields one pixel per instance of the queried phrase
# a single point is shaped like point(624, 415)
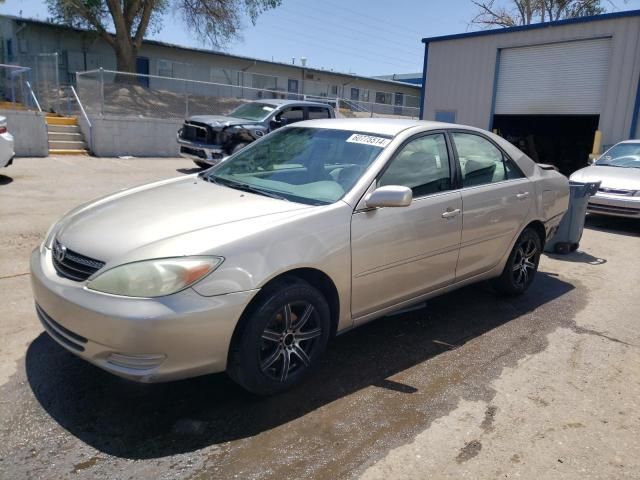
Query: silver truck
point(207, 139)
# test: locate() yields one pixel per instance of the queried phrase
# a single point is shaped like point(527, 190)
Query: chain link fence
point(108, 92)
point(31, 82)
point(358, 109)
point(15, 87)
point(43, 78)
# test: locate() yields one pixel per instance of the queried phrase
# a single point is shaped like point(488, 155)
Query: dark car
point(207, 139)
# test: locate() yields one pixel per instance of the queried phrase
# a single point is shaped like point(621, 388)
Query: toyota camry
point(252, 266)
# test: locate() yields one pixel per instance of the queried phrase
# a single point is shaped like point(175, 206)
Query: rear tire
point(281, 338)
point(521, 266)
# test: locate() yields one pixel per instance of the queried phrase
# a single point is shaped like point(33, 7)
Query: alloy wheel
point(524, 263)
point(288, 341)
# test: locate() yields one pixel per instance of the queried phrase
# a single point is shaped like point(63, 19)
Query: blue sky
point(367, 37)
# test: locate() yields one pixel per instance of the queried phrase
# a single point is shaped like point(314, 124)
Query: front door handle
point(451, 213)
point(522, 195)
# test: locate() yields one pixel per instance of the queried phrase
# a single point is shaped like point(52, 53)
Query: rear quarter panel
point(552, 195)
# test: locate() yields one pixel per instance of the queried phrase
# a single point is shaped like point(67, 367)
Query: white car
point(618, 170)
point(6, 144)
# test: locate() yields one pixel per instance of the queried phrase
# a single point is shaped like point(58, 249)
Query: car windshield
point(307, 165)
point(625, 155)
point(253, 111)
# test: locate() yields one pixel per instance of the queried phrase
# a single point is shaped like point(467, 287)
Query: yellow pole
point(597, 146)
point(597, 143)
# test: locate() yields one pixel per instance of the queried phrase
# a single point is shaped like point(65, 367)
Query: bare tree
point(216, 21)
point(511, 13)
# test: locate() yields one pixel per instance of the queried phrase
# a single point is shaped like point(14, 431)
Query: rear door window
point(292, 115)
point(422, 165)
point(318, 112)
point(481, 162)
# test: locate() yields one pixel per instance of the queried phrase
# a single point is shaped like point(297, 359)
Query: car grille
point(73, 265)
point(63, 335)
point(616, 191)
point(597, 207)
point(197, 132)
point(196, 152)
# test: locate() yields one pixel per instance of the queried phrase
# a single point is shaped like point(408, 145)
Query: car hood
point(611, 177)
point(221, 120)
point(110, 229)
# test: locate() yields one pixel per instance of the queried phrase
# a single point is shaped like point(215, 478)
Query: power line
point(361, 36)
point(346, 44)
point(386, 25)
point(343, 52)
point(386, 22)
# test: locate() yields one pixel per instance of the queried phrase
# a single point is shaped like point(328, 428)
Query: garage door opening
point(561, 140)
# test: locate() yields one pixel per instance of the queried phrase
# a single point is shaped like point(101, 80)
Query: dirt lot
point(544, 386)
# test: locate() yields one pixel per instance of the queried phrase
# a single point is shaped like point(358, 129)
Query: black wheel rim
point(289, 340)
point(525, 263)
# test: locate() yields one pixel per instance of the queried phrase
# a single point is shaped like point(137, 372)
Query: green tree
point(216, 21)
point(511, 13)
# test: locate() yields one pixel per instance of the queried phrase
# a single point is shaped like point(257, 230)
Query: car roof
point(629, 141)
point(279, 102)
point(379, 126)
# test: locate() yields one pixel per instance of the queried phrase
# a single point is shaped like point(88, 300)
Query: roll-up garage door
point(556, 79)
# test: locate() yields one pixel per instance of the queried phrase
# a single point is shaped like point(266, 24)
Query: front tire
point(522, 264)
point(238, 146)
point(201, 164)
point(281, 339)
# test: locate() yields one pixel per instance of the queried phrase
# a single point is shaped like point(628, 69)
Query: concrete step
point(11, 106)
point(61, 120)
point(68, 151)
point(63, 128)
point(67, 145)
point(68, 136)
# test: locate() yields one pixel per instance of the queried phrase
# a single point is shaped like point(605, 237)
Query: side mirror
point(274, 124)
point(389, 196)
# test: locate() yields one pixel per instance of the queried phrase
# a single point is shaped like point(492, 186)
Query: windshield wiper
point(245, 187)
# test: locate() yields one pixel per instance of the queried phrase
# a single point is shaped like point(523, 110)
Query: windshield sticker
point(369, 140)
point(268, 109)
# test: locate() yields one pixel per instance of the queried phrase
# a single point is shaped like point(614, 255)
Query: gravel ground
point(546, 385)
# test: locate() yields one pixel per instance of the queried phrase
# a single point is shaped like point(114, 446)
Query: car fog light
point(136, 362)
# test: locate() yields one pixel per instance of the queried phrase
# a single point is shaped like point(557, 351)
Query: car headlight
point(154, 278)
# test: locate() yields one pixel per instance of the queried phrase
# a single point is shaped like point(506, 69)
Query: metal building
point(546, 87)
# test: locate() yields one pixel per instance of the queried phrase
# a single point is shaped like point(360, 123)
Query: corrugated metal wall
point(461, 73)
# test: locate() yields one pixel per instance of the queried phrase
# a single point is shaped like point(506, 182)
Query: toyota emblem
point(60, 252)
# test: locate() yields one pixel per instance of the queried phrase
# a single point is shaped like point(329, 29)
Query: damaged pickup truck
point(207, 139)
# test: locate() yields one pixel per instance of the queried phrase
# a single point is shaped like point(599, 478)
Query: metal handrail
point(84, 113)
point(33, 95)
point(354, 106)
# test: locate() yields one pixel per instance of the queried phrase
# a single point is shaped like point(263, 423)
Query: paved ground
point(544, 386)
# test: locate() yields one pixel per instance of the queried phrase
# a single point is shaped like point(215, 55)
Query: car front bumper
point(200, 152)
point(147, 340)
point(7, 152)
point(614, 205)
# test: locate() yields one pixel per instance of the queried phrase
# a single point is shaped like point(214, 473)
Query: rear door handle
point(522, 195)
point(451, 213)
